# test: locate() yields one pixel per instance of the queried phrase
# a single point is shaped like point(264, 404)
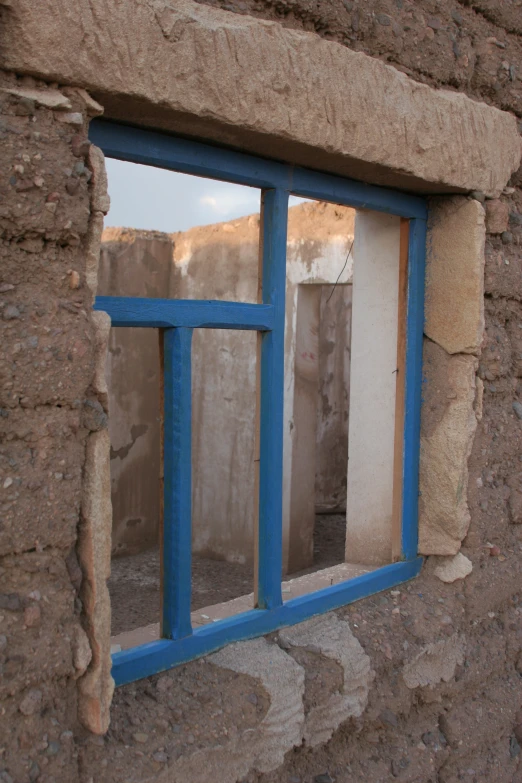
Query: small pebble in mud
point(11, 313)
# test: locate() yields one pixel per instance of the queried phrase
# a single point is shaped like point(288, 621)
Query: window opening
point(219, 259)
point(178, 320)
point(224, 497)
point(319, 273)
point(134, 429)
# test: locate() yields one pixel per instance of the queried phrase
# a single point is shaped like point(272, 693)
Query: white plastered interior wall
point(373, 381)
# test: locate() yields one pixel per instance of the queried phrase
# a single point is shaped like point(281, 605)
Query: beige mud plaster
point(264, 748)
point(437, 662)
point(92, 251)
point(82, 653)
point(454, 300)
point(94, 553)
point(100, 201)
point(329, 637)
point(255, 84)
point(448, 425)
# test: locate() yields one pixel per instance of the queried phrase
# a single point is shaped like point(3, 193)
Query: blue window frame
point(178, 319)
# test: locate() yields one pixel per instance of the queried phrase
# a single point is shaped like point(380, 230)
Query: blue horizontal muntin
point(349, 193)
point(189, 313)
point(152, 148)
point(164, 654)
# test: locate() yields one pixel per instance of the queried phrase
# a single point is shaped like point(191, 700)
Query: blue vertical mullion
point(177, 493)
point(414, 340)
point(270, 533)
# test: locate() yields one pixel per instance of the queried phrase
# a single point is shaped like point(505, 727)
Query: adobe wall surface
point(443, 704)
point(54, 443)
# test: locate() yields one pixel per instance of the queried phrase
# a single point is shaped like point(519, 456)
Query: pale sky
point(155, 199)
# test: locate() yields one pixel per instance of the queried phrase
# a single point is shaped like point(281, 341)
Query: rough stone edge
point(445, 124)
point(96, 687)
point(92, 251)
point(455, 259)
point(100, 200)
point(102, 326)
point(264, 748)
point(446, 267)
point(444, 518)
point(332, 638)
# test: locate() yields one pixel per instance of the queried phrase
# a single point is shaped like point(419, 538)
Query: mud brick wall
point(445, 701)
point(470, 729)
point(51, 417)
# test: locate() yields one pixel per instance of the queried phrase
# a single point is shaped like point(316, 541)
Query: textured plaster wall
point(445, 655)
point(55, 614)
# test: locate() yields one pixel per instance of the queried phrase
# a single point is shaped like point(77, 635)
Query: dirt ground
point(135, 589)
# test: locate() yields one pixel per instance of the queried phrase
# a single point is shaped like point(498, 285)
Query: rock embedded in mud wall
point(448, 426)
point(454, 300)
point(449, 569)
